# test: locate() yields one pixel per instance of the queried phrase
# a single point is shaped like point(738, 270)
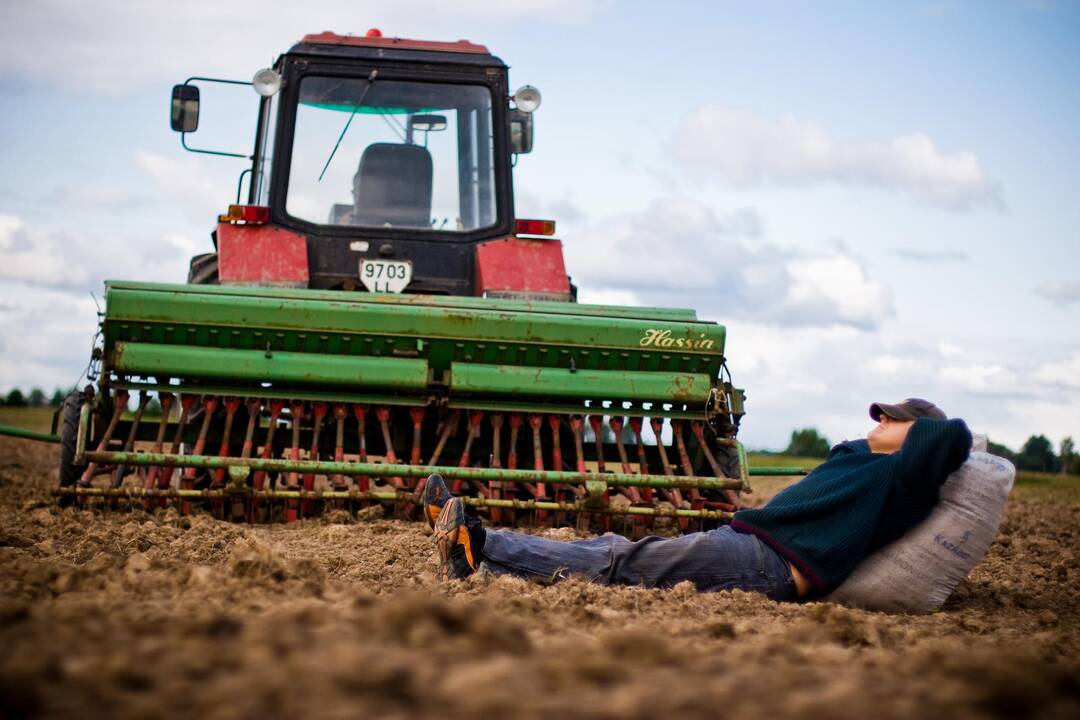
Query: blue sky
point(878, 200)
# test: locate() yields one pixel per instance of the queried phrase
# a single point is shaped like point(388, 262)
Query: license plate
point(385, 275)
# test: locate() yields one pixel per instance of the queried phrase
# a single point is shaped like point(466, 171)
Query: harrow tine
point(577, 427)
point(638, 523)
point(417, 417)
point(119, 406)
point(448, 428)
point(555, 423)
point(616, 424)
point(515, 427)
point(254, 410)
point(318, 411)
point(276, 407)
point(187, 480)
point(538, 490)
point(382, 414)
point(697, 502)
point(232, 404)
point(698, 428)
point(363, 483)
point(338, 481)
point(495, 486)
point(165, 400)
point(129, 444)
point(596, 423)
point(475, 417)
point(186, 403)
point(673, 495)
point(643, 460)
point(296, 410)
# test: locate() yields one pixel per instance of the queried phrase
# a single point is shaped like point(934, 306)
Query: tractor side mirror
point(185, 108)
point(521, 132)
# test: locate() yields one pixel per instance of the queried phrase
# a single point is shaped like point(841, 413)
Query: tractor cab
point(383, 164)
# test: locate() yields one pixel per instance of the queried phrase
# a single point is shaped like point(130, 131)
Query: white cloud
point(609, 296)
point(930, 256)
point(980, 377)
point(40, 256)
point(948, 349)
point(184, 179)
point(835, 286)
point(45, 335)
point(35, 257)
point(1065, 373)
point(119, 46)
point(887, 365)
point(1064, 292)
point(743, 149)
point(679, 251)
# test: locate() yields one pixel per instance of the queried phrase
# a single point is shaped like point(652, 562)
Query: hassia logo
point(663, 339)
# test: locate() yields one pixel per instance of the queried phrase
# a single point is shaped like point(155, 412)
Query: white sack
point(917, 572)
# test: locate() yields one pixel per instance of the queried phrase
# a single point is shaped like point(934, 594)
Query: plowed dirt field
point(125, 614)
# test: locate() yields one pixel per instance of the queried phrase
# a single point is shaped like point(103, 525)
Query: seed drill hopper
point(374, 313)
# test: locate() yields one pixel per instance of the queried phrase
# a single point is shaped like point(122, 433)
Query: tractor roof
point(373, 44)
point(374, 38)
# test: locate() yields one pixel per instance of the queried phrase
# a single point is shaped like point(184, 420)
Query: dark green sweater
point(857, 501)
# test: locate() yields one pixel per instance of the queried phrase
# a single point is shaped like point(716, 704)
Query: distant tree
point(1066, 454)
point(807, 443)
point(57, 398)
point(15, 398)
point(1037, 455)
point(1001, 451)
point(37, 398)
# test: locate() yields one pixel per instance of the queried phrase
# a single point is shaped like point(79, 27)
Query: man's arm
point(931, 451)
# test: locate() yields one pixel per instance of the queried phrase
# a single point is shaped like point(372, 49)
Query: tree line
point(1036, 455)
point(33, 398)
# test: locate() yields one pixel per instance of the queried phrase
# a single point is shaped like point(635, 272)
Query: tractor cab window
point(392, 154)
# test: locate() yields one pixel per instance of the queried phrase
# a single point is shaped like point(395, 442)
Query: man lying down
point(800, 545)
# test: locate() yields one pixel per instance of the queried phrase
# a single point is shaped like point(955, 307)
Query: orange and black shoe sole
point(450, 531)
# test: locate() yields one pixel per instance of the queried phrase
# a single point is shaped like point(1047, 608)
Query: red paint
point(518, 265)
point(261, 255)
point(371, 40)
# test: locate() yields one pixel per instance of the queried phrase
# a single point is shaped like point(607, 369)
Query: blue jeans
point(720, 559)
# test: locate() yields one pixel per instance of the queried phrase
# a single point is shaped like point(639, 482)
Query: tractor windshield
point(411, 155)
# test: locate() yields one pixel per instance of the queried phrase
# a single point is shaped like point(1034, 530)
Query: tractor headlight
point(266, 82)
point(527, 99)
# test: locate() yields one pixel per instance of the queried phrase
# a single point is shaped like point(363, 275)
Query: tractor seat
point(392, 186)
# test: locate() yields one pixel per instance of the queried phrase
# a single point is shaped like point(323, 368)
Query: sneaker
point(435, 496)
point(460, 539)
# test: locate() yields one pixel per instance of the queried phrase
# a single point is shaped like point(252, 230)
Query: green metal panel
point(151, 359)
point(549, 307)
point(315, 319)
point(558, 382)
point(306, 322)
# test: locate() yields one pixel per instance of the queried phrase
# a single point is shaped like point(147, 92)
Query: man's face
point(888, 435)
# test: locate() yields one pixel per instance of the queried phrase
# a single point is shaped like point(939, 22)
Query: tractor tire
point(69, 472)
point(203, 270)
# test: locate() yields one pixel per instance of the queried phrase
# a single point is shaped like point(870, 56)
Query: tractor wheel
point(203, 270)
point(69, 430)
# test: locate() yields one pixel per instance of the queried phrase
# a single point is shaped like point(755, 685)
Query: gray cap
point(907, 410)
